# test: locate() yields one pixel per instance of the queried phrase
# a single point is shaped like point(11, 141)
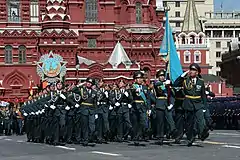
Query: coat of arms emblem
point(51, 67)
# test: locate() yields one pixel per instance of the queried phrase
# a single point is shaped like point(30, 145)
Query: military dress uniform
point(123, 103)
point(140, 106)
point(86, 113)
point(164, 105)
point(102, 123)
point(193, 104)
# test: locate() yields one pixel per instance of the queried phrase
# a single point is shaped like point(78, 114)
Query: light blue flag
point(174, 68)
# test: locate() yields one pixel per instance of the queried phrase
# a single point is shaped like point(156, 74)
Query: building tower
point(192, 44)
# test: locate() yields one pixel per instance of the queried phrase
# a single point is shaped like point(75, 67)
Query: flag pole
point(168, 51)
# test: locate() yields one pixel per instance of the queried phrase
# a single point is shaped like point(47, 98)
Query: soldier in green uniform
point(163, 106)
point(123, 102)
point(102, 123)
point(87, 112)
point(113, 112)
point(140, 107)
point(58, 104)
point(194, 102)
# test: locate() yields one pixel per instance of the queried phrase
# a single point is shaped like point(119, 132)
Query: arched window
point(187, 57)
point(192, 39)
point(21, 54)
point(197, 57)
point(8, 55)
point(91, 11)
point(200, 39)
point(183, 39)
point(138, 13)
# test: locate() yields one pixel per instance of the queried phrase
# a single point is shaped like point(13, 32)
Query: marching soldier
point(88, 105)
point(123, 102)
point(102, 125)
point(140, 107)
point(58, 104)
point(194, 102)
point(163, 107)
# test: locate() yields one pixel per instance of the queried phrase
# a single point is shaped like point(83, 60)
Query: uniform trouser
point(161, 116)
point(58, 125)
point(29, 128)
point(20, 125)
point(123, 119)
point(7, 126)
point(194, 118)
point(138, 120)
point(179, 122)
point(102, 124)
point(37, 129)
point(49, 127)
point(207, 117)
point(91, 125)
point(81, 127)
point(69, 127)
point(113, 125)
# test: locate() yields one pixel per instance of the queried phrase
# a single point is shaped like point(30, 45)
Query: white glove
point(67, 108)
point(62, 96)
point(204, 111)
point(207, 92)
point(126, 94)
point(185, 74)
point(149, 112)
point(117, 104)
point(32, 113)
point(170, 107)
point(43, 110)
point(98, 103)
point(52, 107)
point(77, 105)
point(81, 84)
point(46, 106)
point(96, 116)
point(138, 90)
point(167, 82)
point(25, 114)
point(129, 106)
point(106, 93)
point(110, 108)
point(37, 113)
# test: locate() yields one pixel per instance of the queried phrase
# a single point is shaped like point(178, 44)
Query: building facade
point(81, 31)
point(231, 63)
point(220, 28)
point(178, 9)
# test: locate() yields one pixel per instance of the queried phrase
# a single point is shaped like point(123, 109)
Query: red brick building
point(87, 29)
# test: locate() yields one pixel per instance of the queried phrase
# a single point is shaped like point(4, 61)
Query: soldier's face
point(121, 84)
point(59, 86)
point(89, 85)
point(52, 88)
point(193, 73)
point(100, 84)
point(139, 80)
point(162, 78)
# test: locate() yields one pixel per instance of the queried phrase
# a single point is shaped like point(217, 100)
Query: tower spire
point(191, 21)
